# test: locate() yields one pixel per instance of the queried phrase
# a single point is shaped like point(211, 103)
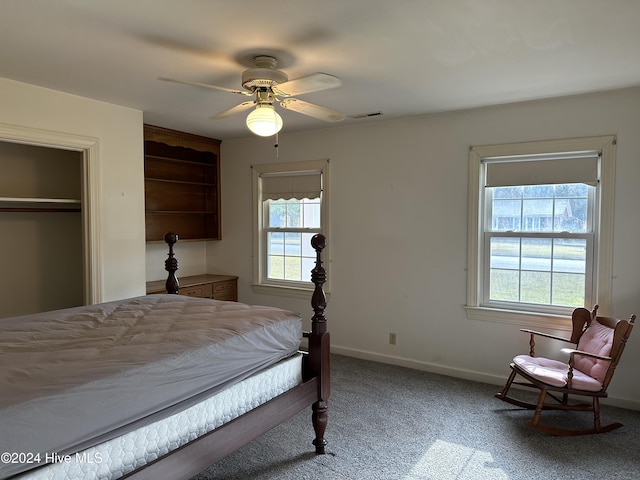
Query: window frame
point(260, 282)
point(477, 266)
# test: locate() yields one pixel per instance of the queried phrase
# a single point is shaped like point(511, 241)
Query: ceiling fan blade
point(310, 83)
point(206, 85)
point(313, 110)
point(233, 110)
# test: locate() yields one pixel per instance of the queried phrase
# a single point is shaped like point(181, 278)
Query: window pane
point(275, 243)
point(277, 211)
point(275, 266)
point(307, 249)
point(536, 254)
point(572, 215)
point(535, 287)
point(538, 215)
point(568, 289)
point(504, 285)
point(311, 213)
point(294, 216)
point(292, 243)
point(292, 268)
point(506, 214)
point(505, 253)
point(569, 255)
point(572, 202)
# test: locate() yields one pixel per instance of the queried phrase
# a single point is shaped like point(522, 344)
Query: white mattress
point(119, 456)
point(72, 379)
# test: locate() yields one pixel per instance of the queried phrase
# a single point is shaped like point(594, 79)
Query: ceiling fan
point(269, 85)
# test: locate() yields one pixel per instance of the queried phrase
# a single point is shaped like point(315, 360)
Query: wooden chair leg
point(507, 385)
point(596, 414)
point(536, 416)
point(504, 393)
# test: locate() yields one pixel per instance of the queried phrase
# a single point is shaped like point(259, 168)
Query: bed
point(159, 386)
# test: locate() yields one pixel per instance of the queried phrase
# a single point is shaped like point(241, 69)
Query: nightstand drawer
point(227, 297)
point(196, 290)
point(226, 290)
point(223, 287)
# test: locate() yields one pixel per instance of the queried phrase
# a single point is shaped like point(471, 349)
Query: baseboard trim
point(456, 372)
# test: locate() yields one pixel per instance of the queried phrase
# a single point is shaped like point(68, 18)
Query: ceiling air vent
point(365, 115)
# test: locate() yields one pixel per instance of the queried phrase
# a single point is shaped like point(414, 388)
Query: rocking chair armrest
point(548, 335)
point(573, 351)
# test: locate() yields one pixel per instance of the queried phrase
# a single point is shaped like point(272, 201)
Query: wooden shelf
point(149, 179)
point(182, 190)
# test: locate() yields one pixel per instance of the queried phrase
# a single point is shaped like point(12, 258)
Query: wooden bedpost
point(171, 264)
point(319, 351)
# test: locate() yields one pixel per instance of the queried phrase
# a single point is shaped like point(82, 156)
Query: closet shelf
point(26, 204)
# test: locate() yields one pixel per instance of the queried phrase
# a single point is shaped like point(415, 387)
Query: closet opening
point(48, 203)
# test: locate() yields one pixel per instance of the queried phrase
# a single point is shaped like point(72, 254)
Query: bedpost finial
point(171, 238)
point(318, 241)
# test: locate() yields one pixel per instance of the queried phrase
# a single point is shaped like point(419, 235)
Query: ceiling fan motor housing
point(262, 77)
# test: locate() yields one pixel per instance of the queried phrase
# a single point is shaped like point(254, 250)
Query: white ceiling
point(400, 57)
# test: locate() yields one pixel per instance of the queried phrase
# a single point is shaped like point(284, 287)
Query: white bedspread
point(73, 378)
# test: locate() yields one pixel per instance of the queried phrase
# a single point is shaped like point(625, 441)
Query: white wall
point(191, 258)
point(121, 178)
point(399, 229)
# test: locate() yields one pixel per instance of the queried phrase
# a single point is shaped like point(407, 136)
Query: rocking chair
point(599, 344)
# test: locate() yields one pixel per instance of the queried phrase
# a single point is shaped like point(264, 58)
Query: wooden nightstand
point(218, 287)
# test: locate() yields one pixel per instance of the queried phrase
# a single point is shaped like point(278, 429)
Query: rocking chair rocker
point(599, 344)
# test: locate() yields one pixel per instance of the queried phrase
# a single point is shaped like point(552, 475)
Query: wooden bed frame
point(197, 455)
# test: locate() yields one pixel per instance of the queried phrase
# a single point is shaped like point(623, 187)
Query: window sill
point(284, 291)
point(514, 317)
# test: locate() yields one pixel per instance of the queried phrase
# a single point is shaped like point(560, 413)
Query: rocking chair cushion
point(555, 373)
point(596, 339)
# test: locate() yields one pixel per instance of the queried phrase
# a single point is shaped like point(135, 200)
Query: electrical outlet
point(392, 338)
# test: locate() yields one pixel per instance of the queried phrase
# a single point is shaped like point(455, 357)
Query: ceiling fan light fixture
point(264, 121)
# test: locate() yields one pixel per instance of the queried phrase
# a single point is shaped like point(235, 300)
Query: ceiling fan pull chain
point(276, 145)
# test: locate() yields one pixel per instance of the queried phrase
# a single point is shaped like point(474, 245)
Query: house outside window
point(540, 229)
point(290, 206)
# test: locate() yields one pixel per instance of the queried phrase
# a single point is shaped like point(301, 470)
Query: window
point(540, 228)
point(290, 207)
